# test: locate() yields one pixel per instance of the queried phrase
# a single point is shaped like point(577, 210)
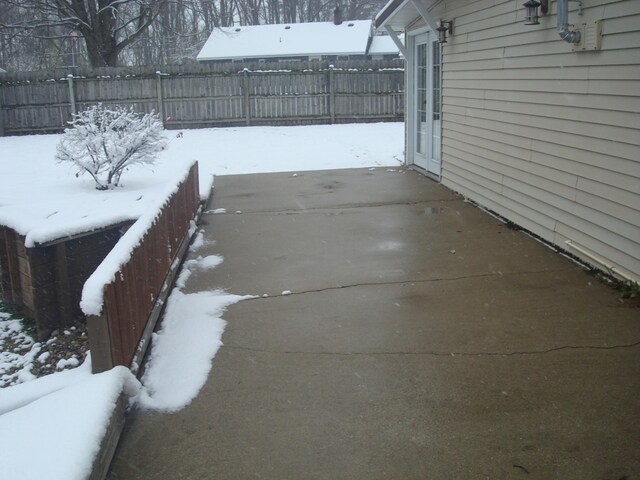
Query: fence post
point(100, 342)
point(72, 95)
point(247, 105)
point(160, 99)
point(332, 94)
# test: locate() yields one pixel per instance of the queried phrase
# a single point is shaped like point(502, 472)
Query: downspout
point(612, 270)
point(563, 23)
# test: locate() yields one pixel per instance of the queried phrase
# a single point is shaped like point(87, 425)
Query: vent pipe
point(563, 23)
point(337, 16)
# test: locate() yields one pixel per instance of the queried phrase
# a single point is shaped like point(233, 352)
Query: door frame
point(414, 37)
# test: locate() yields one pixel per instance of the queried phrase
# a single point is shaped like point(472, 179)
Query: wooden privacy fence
point(291, 93)
point(132, 301)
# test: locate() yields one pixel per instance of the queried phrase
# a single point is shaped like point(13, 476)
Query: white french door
point(424, 103)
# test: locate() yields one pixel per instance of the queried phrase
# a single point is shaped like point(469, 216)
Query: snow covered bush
point(104, 141)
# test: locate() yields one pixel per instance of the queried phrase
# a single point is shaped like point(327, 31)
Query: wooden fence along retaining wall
point(132, 302)
point(286, 93)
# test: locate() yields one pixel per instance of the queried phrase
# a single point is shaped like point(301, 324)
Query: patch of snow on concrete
point(184, 347)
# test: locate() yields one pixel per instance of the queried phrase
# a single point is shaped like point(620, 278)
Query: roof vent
point(288, 27)
point(237, 29)
point(350, 25)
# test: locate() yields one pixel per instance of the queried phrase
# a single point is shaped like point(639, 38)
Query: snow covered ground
point(44, 200)
point(68, 411)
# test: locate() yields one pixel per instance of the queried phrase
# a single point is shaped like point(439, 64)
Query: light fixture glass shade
point(531, 16)
point(442, 34)
point(445, 26)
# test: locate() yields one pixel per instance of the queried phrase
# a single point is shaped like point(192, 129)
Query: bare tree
point(178, 32)
point(54, 33)
point(107, 26)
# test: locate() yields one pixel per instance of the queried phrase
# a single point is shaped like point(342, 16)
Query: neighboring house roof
point(288, 40)
point(383, 45)
point(2, 70)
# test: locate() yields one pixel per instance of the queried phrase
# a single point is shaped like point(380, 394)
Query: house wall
point(544, 136)
point(302, 58)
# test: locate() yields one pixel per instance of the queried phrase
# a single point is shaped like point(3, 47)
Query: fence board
point(210, 95)
point(130, 299)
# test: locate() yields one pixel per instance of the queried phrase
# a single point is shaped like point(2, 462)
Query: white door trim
point(423, 161)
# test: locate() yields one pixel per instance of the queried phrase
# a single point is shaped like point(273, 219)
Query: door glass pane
point(435, 101)
point(421, 96)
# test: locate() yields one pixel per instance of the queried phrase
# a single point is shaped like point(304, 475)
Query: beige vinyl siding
point(547, 137)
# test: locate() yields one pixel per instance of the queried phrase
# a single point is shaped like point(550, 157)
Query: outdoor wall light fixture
point(446, 26)
point(574, 37)
point(532, 6)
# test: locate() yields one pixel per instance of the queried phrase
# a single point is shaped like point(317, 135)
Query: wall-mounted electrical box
point(590, 37)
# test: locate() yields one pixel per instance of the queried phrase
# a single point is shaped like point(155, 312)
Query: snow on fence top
point(93, 292)
point(193, 68)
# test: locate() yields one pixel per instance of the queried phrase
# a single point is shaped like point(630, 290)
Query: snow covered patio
point(396, 332)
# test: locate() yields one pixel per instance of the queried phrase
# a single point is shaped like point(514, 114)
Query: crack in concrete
point(331, 208)
point(435, 353)
point(402, 282)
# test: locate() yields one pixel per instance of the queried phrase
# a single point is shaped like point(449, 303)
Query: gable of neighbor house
point(318, 39)
point(383, 47)
point(545, 136)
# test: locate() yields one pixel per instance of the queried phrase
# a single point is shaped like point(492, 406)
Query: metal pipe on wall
point(567, 35)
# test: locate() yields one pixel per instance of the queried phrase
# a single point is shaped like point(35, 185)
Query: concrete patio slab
point(422, 338)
